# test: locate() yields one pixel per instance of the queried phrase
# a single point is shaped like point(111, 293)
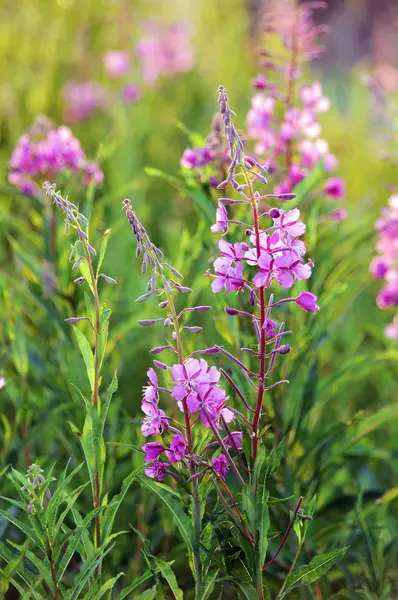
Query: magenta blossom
point(220, 465)
point(82, 99)
point(155, 422)
point(130, 93)
point(156, 471)
point(221, 220)
point(152, 451)
point(47, 151)
point(335, 187)
point(178, 449)
point(307, 301)
point(237, 437)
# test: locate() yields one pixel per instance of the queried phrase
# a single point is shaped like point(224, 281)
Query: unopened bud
point(284, 349)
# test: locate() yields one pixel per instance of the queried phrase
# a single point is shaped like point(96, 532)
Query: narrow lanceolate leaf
point(248, 591)
point(103, 333)
point(109, 585)
point(28, 531)
point(310, 573)
point(262, 525)
point(112, 508)
point(168, 574)
point(107, 401)
point(103, 248)
point(180, 517)
point(74, 542)
point(208, 584)
point(148, 594)
point(87, 354)
point(135, 584)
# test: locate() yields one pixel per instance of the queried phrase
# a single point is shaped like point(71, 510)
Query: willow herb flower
point(164, 50)
point(82, 99)
point(47, 151)
point(385, 264)
point(117, 63)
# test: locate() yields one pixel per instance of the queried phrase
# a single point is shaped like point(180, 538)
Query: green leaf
point(103, 333)
point(112, 508)
point(313, 571)
point(262, 525)
point(87, 354)
point(248, 590)
point(208, 584)
point(19, 352)
point(28, 531)
point(168, 574)
point(148, 594)
point(73, 544)
point(179, 516)
point(106, 403)
point(103, 248)
point(109, 585)
point(135, 584)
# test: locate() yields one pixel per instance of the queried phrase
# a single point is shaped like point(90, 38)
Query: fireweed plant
point(55, 530)
point(283, 121)
point(214, 447)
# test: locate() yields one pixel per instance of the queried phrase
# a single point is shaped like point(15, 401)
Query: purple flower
point(156, 471)
point(307, 301)
point(82, 100)
point(220, 465)
point(130, 93)
point(313, 98)
point(155, 422)
point(152, 451)
point(46, 151)
point(221, 220)
point(150, 391)
point(379, 267)
point(178, 449)
point(117, 63)
point(270, 327)
point(164, 51)
point(237, 437)
point(335, 187)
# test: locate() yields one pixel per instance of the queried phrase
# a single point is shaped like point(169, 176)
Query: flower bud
point(284, 349)
point(147, 322)
point(231, 311)
point(159, 365)
point(307, 301)
point(79, 280)
point(274, 213)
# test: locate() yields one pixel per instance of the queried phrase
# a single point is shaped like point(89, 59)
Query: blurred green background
point(343, 371)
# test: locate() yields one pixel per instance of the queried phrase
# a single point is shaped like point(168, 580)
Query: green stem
point(280, 595)
point(95, 395)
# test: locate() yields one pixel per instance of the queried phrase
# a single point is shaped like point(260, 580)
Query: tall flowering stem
point(152, 256)
point(82, 257)
point(276, 252)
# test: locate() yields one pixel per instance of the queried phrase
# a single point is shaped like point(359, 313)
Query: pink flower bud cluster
point(45, 152)
point(385, 265)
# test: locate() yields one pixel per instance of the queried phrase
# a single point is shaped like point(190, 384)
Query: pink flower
point(178, 449)
point(289, 223)
point(378, 267)
point(259, 116)
point(220, 465)
point(130, 93)
point(391, 330)
point(227, 277)
point(237, 437)
point(337, 215)
point(152, 451)
point(2, 382)
point(117, 63)
point(155, 422)
point(165, 51)
point(335, 187)
point(312, 97)
point(156, 471)
point(307, 301)
point(82, 100)
point(221, 220)
point(150, 391)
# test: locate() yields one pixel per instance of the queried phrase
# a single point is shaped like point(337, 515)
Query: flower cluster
point(292, 144)
point(44, 152)
point(195, 388)
point(193, 384)
point(385, 265)
point(164, 51)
